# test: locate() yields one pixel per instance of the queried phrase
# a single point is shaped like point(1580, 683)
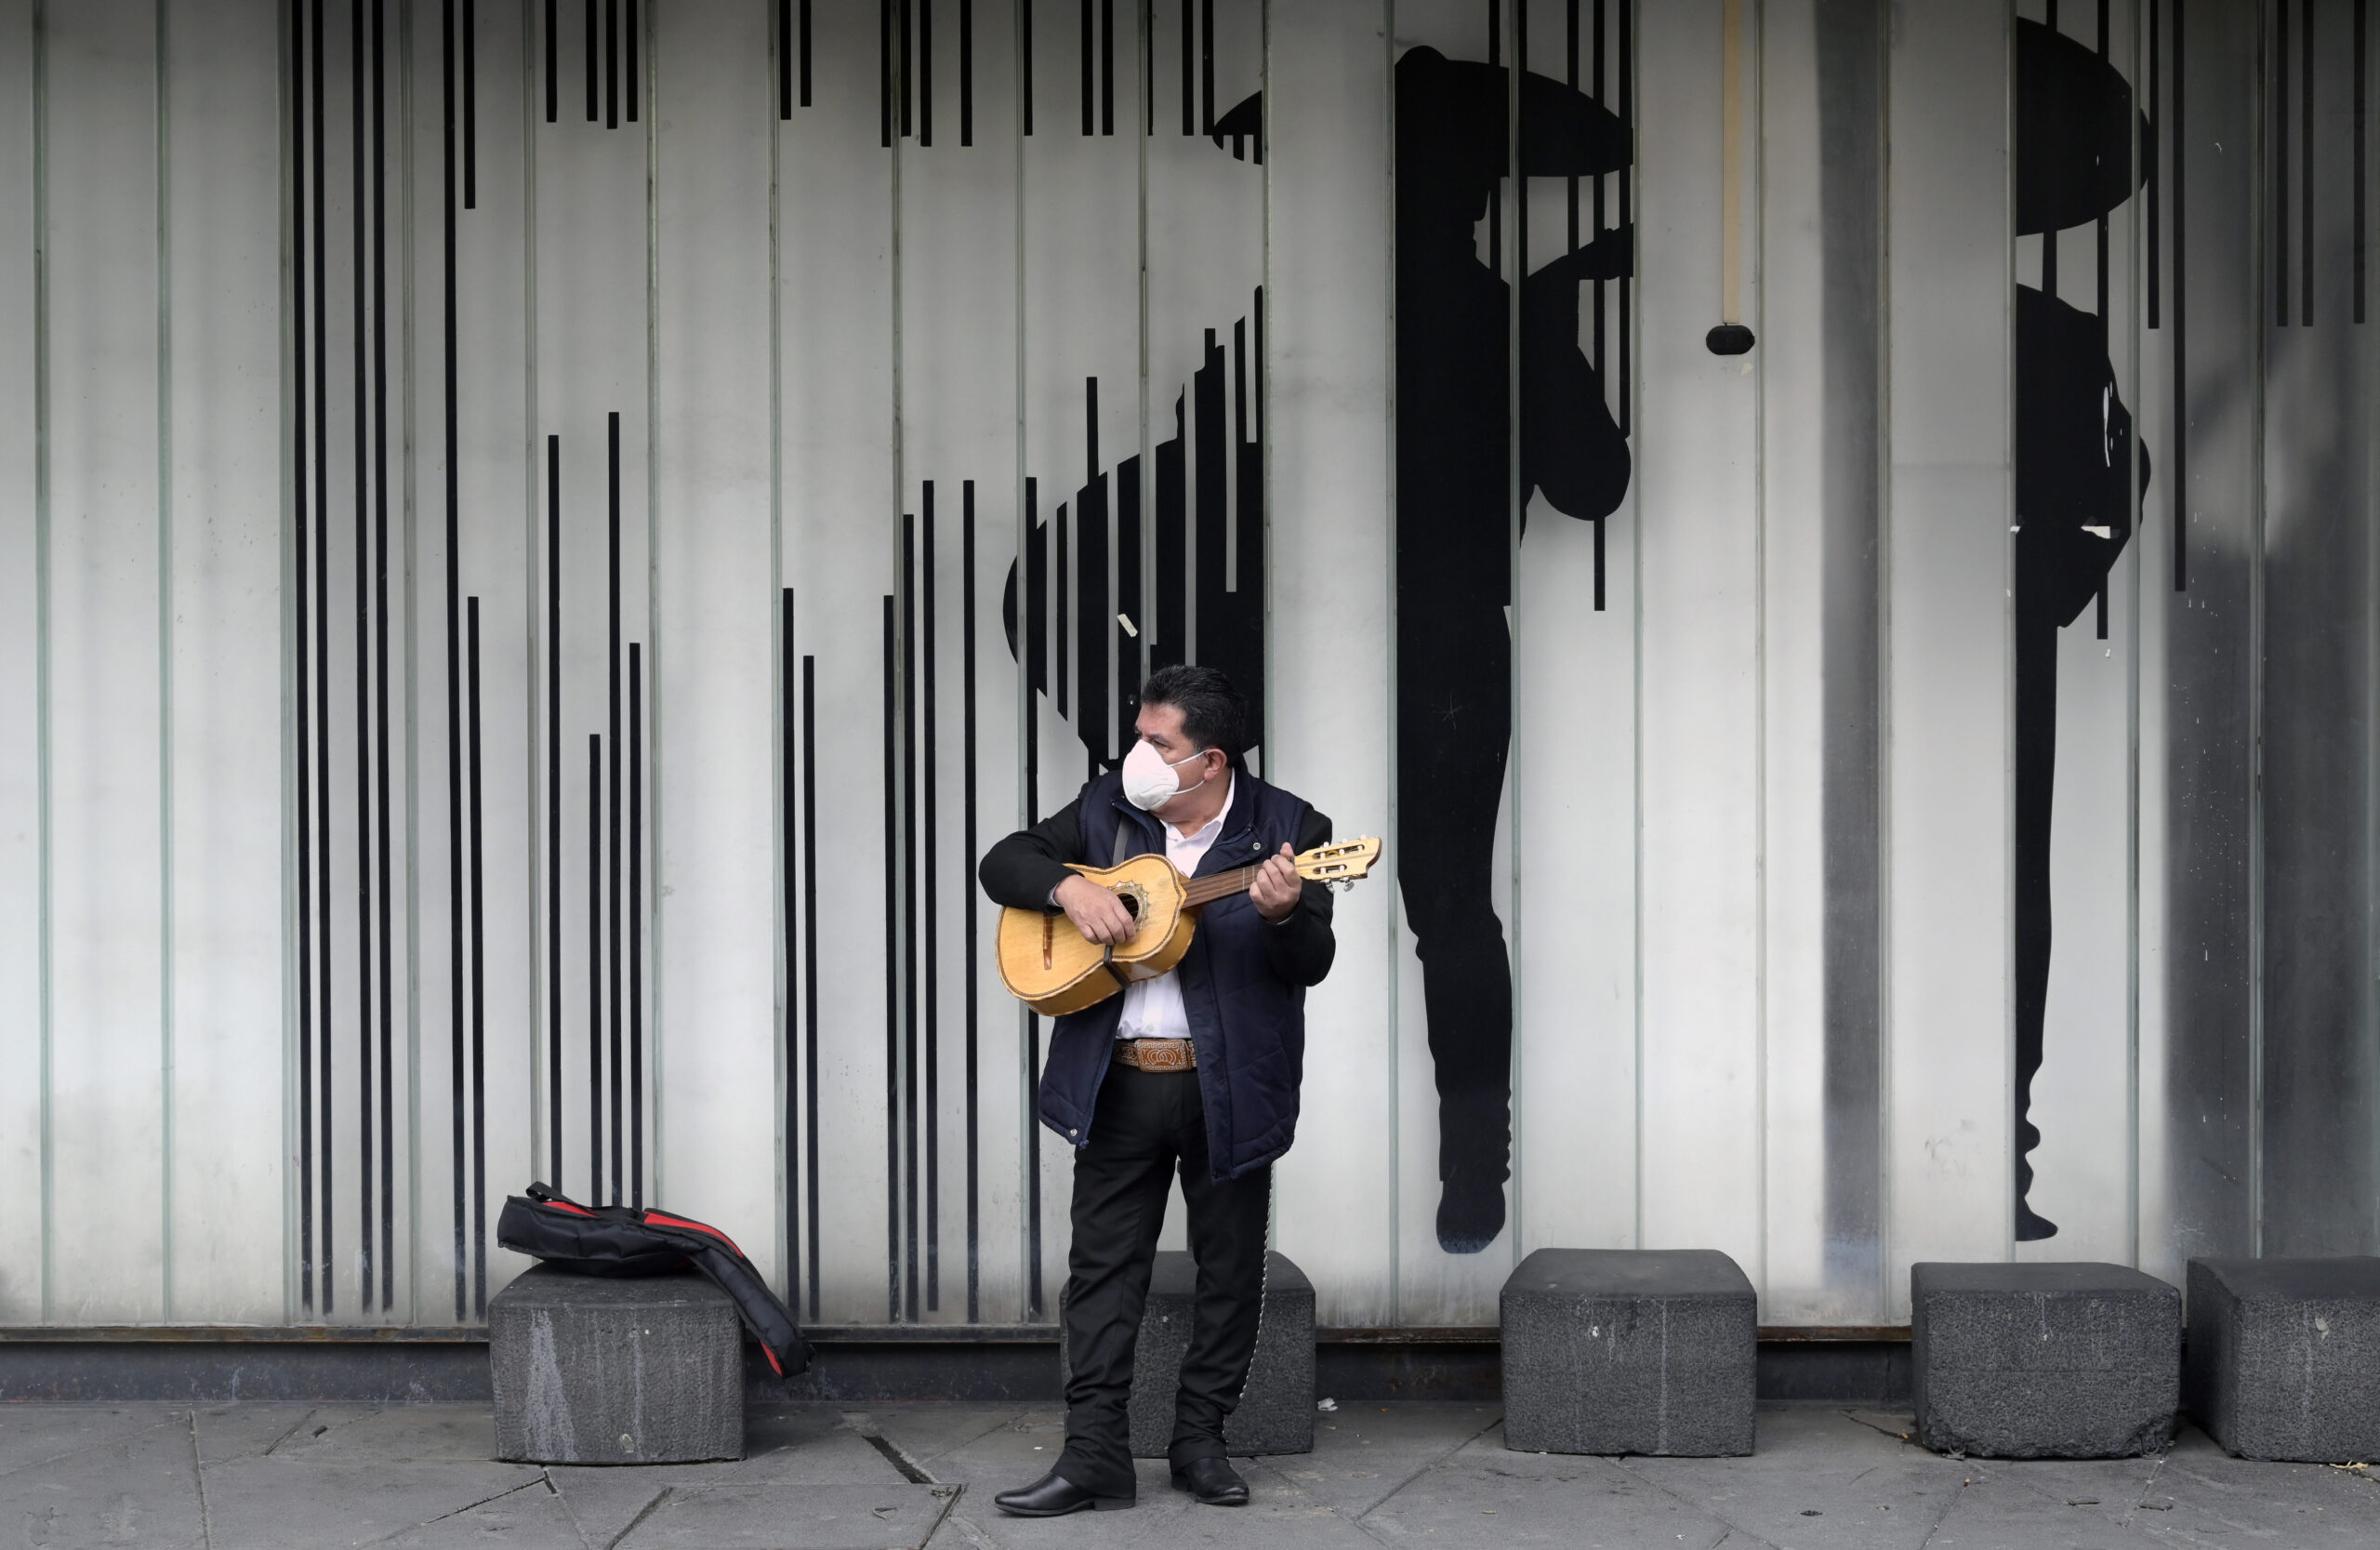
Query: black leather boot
point(1213, 1481)
point(1054, 1496)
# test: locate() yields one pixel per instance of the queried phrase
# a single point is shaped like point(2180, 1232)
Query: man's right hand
point(1098, 914)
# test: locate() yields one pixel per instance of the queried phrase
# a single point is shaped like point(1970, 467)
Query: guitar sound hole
point(1132, 905)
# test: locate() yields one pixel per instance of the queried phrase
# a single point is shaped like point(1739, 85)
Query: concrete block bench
point(2044, 1361)
point(604, 1370)
point(2284, 1357)
point(1276, 1413)
point(1628, 1351)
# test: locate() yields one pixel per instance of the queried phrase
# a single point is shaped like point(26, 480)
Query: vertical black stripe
point(1063, 616)
point(1206, 65)
point(788, 784)
point(2156, 168)
point(1627, 69)
point(1602, 355)
point(1570, 22)
point(2180, 386)
point(1189, 67)
point(1130, 637)
point(613, 740)
point(784, 41)
point(636, 923)
point(908, 69)
point(594, 84)
point(365, 962)
point(1169, 610)
point(611, 64)
point(809, 952)
point(891, 884)
point(326, 1106)
point(968, 908)
point(2305, 167)
point(387, 1189)
point(1144, 21)
point(908, 884)
point(966, 72)
point(884, 71)
point(925, 71)
point(456, 1010)
point(1024, 58)
point(303, 603)
point(594, 966)
point(929, 907)
point(1107, 67)
point(2099, 309)
point(2280, 165)
point(554, 67)
point(1095, 705)
point(2362, 53)
point(470, 105)
point(805, 53)
point(479, 993)
point(1083, 49)
point(628, 69)
point(553, 808)
point(1033, 631)
point(1034, 1300)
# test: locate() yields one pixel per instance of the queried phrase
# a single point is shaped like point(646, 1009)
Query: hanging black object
point(626, 1241)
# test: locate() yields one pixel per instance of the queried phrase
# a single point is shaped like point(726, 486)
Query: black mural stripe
point(636, 923)
point(613, 741)
point(629, 91)
point(1206, 63)
point(1602, 357)
point(966, 72)
point(1189, 67)
point(388, 1190)
point(365, 963)
point(2281, 166)
point(2156, 168)
point(785, 58)
point(967, 856)
point(479, 991)
point(1107, 67)
point(554, 67)
point(1093, 622)
point(1571, 20)
point(2180, 386)
point(1130, 629)
point(302, 603)
point(789, 757)
point(1144, 19)
point(1211, 541)
point(1024, 58)
point(470, 105)
point(1599, 566)
point(1083, 49)
point(925, 71)
point(2305, 167)
point(892, 987)
point(929, 908)
point(884, 70)
point(2099, 309)
point(594, 966)
point(1033, 631)
point(805, 53)
point(611, 64)
point(453, 688)
point(908, 71)
point(594, 85)
point(1058, 624)
point(1170, 609)
point(810, 953)
point(326, 1106)
point(2361, 65)
point(910, 905)
point(553, 806)
point(1627, 72)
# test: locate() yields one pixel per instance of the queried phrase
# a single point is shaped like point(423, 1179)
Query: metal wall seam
point(165, 400)
point(789, 1188)
point(42, 647)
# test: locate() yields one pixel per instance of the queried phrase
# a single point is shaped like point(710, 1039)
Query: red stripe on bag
point(665, 1219)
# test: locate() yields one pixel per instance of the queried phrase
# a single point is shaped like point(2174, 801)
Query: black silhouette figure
point(2074, 460)
point(1453, 494)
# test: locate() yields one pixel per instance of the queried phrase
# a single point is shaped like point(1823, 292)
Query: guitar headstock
point(1341, 862)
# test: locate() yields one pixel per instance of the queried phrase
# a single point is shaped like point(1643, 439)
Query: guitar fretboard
point(1223, 885)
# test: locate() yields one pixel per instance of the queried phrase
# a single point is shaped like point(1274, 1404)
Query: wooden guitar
point(1047, 964)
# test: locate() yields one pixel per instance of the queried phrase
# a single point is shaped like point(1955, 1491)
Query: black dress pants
point(1147, 1125)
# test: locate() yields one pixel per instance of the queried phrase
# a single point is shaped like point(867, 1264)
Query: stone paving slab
point(826, 1477)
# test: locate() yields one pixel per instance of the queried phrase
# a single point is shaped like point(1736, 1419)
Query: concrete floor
point(830, 1477)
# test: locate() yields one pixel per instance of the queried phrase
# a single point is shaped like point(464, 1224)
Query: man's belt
point(1156, 1055)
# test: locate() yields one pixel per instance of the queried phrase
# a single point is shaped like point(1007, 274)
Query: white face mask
point(1149, 780)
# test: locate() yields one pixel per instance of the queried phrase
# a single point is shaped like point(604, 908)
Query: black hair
point(1213, 713)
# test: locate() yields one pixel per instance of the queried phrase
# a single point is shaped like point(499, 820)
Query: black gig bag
point(627, 1240)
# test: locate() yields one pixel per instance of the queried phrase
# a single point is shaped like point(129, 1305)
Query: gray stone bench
point(2044, 1361)
point(2284, 1357)
point(1629, 1351)
point(1276, 1413)
point(602, 1369)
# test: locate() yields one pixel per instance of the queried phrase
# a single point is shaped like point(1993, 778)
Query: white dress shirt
point(1153, 1008)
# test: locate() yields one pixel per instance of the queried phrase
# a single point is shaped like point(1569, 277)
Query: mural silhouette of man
point(1454, 493)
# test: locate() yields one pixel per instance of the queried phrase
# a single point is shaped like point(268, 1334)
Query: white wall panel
point(1948, 706)
point(1329, 372)
point(107, 980)
point(716, 615)
point(1700, 577)
point(21, 655)
point(223, 109)
point(839, 535)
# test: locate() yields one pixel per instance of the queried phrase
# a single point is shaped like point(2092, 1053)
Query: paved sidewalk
point(830, 1477)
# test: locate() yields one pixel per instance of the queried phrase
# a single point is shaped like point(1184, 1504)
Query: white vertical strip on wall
point(20, 931)
point(226, 394)
point(1329, 372)
point(841, 548)
point(1792, 350)
point(1700, 676)
point(107, 837)
point(1574, 671)
point(1947, 694)
point(711, 559)
point(958, 344)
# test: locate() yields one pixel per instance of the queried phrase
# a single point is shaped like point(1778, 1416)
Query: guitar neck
point(1223, 885)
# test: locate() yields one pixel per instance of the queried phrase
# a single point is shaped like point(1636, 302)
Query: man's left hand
point(1276, 889)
